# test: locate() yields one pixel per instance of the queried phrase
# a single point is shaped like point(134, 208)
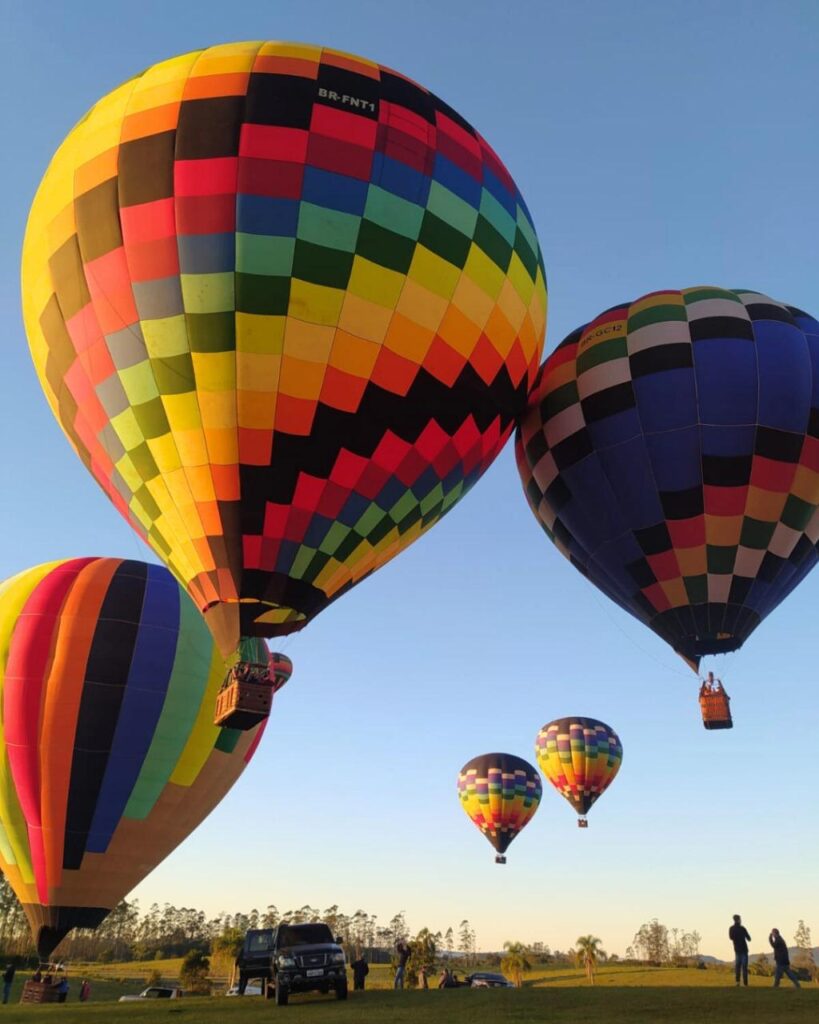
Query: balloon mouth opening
point(700, 646)
point(231, 620)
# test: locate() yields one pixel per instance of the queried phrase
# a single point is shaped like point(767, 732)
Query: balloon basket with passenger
point(45, 984)
point(246, 695)
point(715, 704)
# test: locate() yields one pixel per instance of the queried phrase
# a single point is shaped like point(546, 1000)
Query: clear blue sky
point(657, 145)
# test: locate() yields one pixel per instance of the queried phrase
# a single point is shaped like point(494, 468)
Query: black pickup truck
point(293, 958)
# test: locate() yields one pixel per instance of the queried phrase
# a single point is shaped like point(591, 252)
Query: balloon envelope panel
point(500, 794)
point(108, 754)
point(580, 757)
point(670, 449)
point(286, 305)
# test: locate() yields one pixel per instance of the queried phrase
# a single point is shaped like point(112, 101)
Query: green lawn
point(556, 995)
point(532, 1005)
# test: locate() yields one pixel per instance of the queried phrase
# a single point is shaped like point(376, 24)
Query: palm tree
point(588, 953)
point(515, 962)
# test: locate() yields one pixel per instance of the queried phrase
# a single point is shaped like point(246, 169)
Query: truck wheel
point(341, 989)
point(281, 994)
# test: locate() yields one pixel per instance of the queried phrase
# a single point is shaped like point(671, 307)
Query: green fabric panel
point(561, 398)
point(656, 315)
point(720, 558)
point(602, 352)
point(228, 738)
point(392, 212)
point(698, 294)
point(254, 649)
point(497, 216)
point(448, 207)
point(444, 240)
point(189, 678)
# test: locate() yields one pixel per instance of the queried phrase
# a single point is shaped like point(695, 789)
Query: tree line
point(163, 932)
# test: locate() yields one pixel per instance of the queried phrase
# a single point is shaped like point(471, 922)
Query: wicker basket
point(39, 992)
point(716, 711)
point(243, 705)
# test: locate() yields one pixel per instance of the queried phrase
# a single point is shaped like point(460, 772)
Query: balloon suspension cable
point(500, 859)
point(582, 821)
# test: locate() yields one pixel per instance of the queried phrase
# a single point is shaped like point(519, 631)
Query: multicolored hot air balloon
point(287, 305)
point(580, 757)
point(670, 449)
point(108, 756)
point(500, 794)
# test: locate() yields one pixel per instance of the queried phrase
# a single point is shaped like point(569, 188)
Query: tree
point(589, 952)
point(449, 940)
point(804, 949)
point(422, 955)
point(467, 944)
point(515, 962)
point(761, 966)
point(224, 949)
point(651, 942)
point(153, 977)
point(194, 972)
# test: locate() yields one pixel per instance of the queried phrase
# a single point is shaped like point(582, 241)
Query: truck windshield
point(304, 934)
point(259, 942)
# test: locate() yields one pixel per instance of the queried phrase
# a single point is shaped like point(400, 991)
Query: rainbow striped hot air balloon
point(287, 305)
point(108, 754)
point(500, 794)
point(580, 757)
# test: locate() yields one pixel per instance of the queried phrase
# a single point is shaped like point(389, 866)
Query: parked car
point(254, 988)
point(293, 958)
point(154, 992)
point(487, 979)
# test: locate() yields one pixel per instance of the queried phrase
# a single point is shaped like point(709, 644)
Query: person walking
point(360, 971)
point(62, 989)
point(8, 980)
point(738, 934)
point(423, 981)
point(781, 959)
point(403, 951)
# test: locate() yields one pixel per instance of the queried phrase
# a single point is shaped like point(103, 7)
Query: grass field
point(533, 1005)
point(621, 995)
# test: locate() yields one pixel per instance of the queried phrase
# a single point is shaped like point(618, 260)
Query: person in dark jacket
point(360, 971)
point(8, 980)
point(781, 958)
point(403, 952)
point(738, 934)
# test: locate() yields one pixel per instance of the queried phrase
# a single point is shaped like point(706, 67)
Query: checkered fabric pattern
point(580, 757)
point(286, 304)
point(670, 449)
point(500, 794)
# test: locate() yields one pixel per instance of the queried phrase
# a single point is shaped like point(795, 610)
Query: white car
point(154, 992)
point(254, 988)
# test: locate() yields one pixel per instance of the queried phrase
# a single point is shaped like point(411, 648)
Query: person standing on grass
point(360, 972)
point(8, 980)
point(781, 959)
point(403, 951)
point(85, 991)
point(738, 934)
